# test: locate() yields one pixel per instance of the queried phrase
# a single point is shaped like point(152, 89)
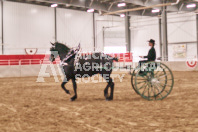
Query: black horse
point(86, 66)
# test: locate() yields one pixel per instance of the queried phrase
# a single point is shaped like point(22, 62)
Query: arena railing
point(26, 62)
point(44, 59)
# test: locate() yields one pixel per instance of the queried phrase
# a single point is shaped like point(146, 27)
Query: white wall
point(115, 24)
point(115, 36)
point(143, 29)
point(0, 31)
point(181, 29)
point(32, 26)
point(27, 26)
point(74, 27)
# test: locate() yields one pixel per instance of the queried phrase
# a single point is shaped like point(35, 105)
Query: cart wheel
point(155, 83)
point(133, 80)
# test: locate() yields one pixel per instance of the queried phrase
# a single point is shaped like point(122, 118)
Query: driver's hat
point(152, 41)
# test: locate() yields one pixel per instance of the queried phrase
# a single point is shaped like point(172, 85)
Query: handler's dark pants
point(149, 66)
point(142, 63)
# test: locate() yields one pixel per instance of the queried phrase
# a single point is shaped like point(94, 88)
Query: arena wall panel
point(27, 26)
point(181, 30)
point(0, 32)
point(113, 22)
point(27, 70)
point(181, 27)
point(75, 27)
point(10, 71)
point(142, 29)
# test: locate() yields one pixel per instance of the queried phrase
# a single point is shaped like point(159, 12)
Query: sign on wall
point(179, 51)
point(191, 63)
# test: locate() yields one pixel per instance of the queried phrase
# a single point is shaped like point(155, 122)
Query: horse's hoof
point(73, 98)
point(109, 99)
point(68, 92)
point(106, 95)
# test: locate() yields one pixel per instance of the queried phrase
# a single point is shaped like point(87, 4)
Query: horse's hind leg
point(75, 90)
point(111, 85)
point(63, 85)
point(106, 91)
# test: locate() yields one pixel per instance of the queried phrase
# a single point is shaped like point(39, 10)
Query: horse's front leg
point(75, 90)
point(63, 85)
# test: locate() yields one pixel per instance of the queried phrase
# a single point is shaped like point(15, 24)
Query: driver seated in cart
point(151, 55)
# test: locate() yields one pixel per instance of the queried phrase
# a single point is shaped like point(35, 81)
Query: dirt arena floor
point(28, 106)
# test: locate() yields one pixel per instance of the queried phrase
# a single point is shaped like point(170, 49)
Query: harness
point(77, 52)
point(72, 52)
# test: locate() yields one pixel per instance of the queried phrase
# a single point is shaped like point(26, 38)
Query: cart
point(155, 82)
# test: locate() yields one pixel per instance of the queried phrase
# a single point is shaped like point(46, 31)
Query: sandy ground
point(44, 107)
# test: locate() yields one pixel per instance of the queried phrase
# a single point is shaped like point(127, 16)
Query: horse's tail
point(115, 59)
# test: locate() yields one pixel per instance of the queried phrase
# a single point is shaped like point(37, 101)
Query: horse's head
point(53, 50)
point(58, 49)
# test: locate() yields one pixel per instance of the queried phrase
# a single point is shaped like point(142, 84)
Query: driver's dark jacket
point(151, 55)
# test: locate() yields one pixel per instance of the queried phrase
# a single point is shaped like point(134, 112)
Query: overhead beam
point(91, 3)
point(140, 8)
point(106, 7)
point(150, 3)
point(143, 12)
point(135, 2)
point(145, 2)
point(110, 6)
point(181, 6)
point(76, 3)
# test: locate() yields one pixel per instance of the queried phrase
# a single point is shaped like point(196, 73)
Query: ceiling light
point(122, 15)
point(121, 4)
point(191, 5)
point(54, 5)
point(33, 11)
point(155, 10)
point(67, 5)
point(90, 10)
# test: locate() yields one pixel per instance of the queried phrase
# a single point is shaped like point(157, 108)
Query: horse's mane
point(62, 47)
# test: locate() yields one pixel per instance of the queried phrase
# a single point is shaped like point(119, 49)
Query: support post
point(94, 33)
point(103, 34)
point(55, 26)
point(160, 35)
point(128, 33)
point(197, 32)
point(165, 36)
point(2, 35)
